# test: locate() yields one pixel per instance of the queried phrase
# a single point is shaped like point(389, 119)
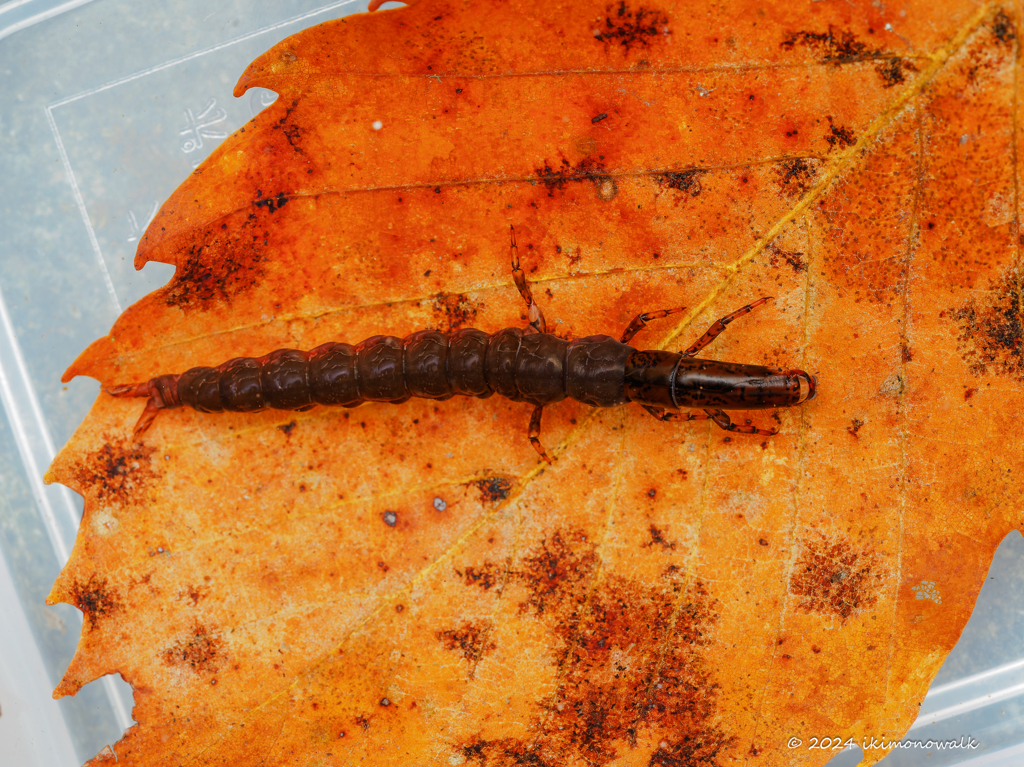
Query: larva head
point(667, 380)
point(732, 386)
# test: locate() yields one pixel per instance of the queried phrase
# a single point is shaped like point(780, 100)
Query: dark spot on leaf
point(287, 428)
point(1003, 27)
point(217, 268)
point(969, 393)
point(835, 46)
point(390, 518)
point(485, 576)
point(201, 651)
point(118, 471)
point(839, 137)
point(272, 204)
point(632, 661)
point(292, 132)
point(587, 169)
point(504, 753)
point(991, 337)
point(494, 489)
point(626, 28)
point(94, 598)
point(454, 310)
point(854, 427)
point(684, 180)
point(892, 71)
point(658, 538)
point(797, 174)
point(470, 639)
point(554, 571)
point(832, 578)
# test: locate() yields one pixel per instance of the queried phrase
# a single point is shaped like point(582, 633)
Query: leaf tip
point(67, 687)
point(241, 86)
point(58, 593)
point(76, 676)
point(141, 259)
point(86, 362)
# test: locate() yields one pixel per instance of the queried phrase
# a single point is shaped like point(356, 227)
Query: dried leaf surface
point(407, 585)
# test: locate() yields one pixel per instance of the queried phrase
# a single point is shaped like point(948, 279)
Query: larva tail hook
point(129, 390)
point(153, 406)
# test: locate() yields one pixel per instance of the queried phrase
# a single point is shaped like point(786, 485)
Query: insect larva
point(523, 364)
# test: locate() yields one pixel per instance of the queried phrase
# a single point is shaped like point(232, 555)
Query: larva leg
point(534, 313)
point(640, 322)
point(723, 421)
point(535, 433)
point(719, 326)
point(667, 415)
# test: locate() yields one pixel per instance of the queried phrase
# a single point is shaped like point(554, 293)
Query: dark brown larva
point(524, 365)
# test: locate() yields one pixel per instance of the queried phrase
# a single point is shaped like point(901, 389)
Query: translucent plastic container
point(106, 107)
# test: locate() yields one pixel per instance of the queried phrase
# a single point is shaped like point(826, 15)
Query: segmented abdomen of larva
point(543, 369)
point(426, 364)
point(538, 368)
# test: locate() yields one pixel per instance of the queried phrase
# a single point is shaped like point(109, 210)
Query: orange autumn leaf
point(409, 585)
